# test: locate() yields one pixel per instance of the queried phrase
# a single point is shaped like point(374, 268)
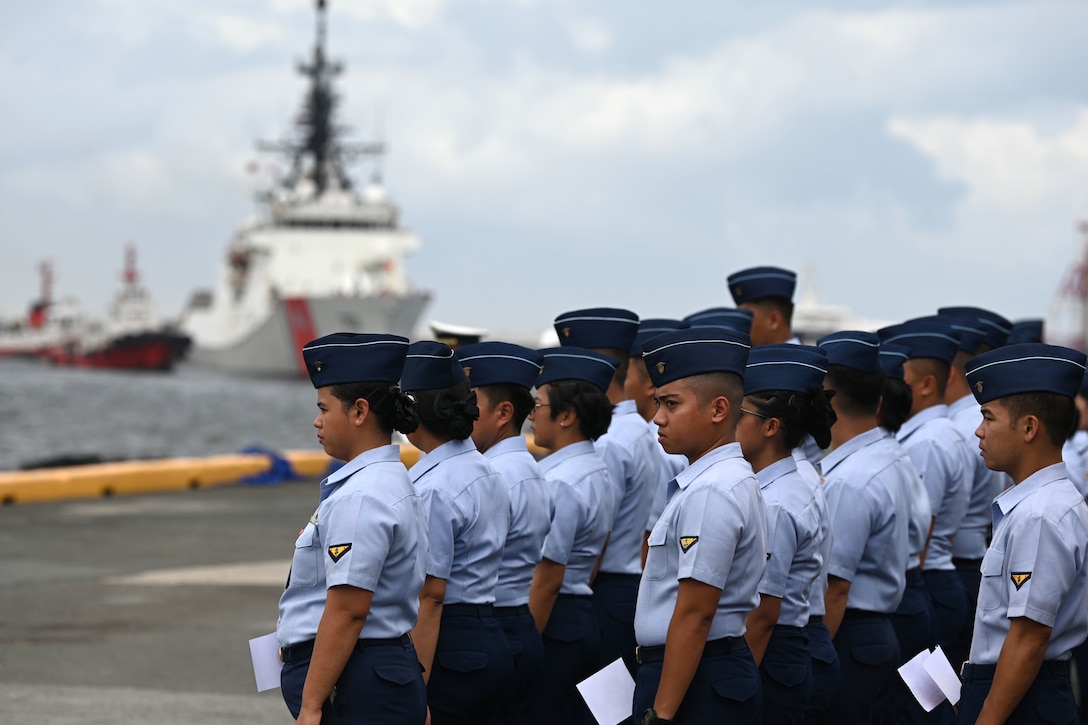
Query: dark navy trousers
point(379, 684)
point(1048, 700)
point(949, 600)
point(614, 597)
point(472, 678)
point(572, 649)
point(970, 573)
point(786, 671)
point(868, 656)
point(915, 630)
point(825, 671)
point(527, 647)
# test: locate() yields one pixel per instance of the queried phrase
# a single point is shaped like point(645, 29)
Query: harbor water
point(49, 414)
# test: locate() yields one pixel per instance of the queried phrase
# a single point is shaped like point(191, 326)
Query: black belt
point(468, 610)
point(1049, 668)
point(303, 650)
point(723, 646)
point(604, 576)
point(914, 575)
point(963, 563)
point(575, 597)
point(816, 619)
point(858, 614)
point(512, 611)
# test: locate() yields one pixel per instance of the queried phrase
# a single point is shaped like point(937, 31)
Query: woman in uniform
point(783, 402)
point(462, 646)
point(351, 596)
point(571, 411)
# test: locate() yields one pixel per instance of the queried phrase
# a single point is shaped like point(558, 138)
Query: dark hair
point(392, 408)
point(858, 392)
point(516, 395)
point(1054, 410)
point(939, 369)
point(586, 400)
point(624, 359)
point(896, 404)
point(448, 412)
point(784, 305)
point(799, 413)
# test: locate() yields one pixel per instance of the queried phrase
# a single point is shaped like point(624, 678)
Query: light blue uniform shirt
point(713, 530)
point(794, 540)
point(816, 484)
point(940, 455)
point(1075, 456)
point(585, 503)
point(468, 514)
point(866, 492)
point(971, 540)
point(531, 517)
point(630, 452)
point(921, 510)
point(1036, 566)
point(370, 533)
point(669, 464)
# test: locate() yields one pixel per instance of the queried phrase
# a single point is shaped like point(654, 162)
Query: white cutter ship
point(325, 257)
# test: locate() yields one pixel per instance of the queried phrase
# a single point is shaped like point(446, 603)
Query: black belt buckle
point(638, 654)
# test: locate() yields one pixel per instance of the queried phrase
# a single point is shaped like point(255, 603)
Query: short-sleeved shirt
point(866, 490)
point(1036, 566)
point(971, 540)
point(369, 533)
point(714, 531)
point(815, 482)
point(940, 455)
point(630, 452)
point(468, 514)
point(921, 510)
point(1075, 456)
point(584, 499)
point(669, 464)
point(794, 540)
point(531, 517)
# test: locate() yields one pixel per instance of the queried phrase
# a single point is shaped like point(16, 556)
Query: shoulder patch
point(1019, 578)
point(686, 542)
point(337, 551)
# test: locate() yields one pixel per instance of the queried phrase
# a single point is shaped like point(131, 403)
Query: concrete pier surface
point(139, 609)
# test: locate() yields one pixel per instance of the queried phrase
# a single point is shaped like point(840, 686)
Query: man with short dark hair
point(1033, 602)
point(768, 293)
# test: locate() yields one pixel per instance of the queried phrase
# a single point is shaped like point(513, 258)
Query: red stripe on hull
point(301, 324)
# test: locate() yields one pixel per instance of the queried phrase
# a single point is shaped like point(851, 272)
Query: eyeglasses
point(541, 405)
point(755, 413)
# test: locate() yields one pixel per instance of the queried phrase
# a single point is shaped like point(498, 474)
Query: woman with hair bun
point(464, 652)
point(784, 401)
point(351, 596)
point(571, 410)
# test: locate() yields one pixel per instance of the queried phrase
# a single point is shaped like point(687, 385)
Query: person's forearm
point(684, 644)
point(425, 634)
point(759, 628)
point(835, 604)
point(1017, 665)
point(337, 634)
point(543, 591)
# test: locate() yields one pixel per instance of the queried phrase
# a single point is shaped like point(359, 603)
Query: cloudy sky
point(554, 154)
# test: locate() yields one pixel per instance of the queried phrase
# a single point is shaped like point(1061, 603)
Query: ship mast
point(319, 153)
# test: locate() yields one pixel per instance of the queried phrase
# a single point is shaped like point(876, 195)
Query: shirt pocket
point(307, 558)
point(657, 557)
point(990, 589)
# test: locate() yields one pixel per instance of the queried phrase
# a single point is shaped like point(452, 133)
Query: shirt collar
point(513, 444)
point(565, 453)
point(964, 403)
point(920, 418)
point(696, 469)
point(853, 445)
point(381, 454)
point(1010, 497)
point(776, 470)
point(447, 450)
point(624, 407)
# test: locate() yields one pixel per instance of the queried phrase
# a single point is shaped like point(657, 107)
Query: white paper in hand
point(609, 693)
point(924, 685)
point(940, 669)
point(265, 652)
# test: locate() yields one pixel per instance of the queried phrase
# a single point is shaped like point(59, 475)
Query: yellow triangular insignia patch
point(686, 542)
point(1019, 578)
point(338, 550)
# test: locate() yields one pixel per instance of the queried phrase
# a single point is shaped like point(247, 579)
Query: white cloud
point(240, 33)
point(412, 14)
point(589, 36)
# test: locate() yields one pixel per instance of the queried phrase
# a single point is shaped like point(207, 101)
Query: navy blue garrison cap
point(494, 363)
point(1026, 331)
point(597, 327)
point(1025, 368)
point(852, 349)
point(749, 285)
point(346, 357)
point(923, 337)
point(796, 368)
point(694, 351)
point(653, 327)
point(968, 330)
point(731, 319)
point(995, 326)
point(892, 357)
point(577, 363)
point(430, 365)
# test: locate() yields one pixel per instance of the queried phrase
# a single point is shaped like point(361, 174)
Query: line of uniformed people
point(529, 577)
